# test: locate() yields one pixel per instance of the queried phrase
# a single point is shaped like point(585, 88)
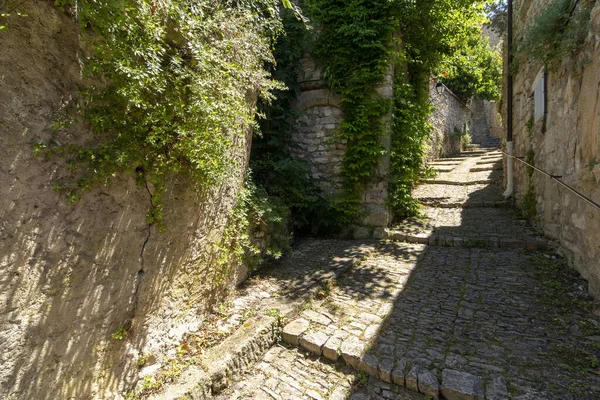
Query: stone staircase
point(448, 307)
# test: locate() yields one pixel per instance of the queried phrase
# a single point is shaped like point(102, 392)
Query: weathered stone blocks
point(331, 348)
point(291, 332)
point(352, 350)
point(428, 384)
point(386, 367)
point(496, 389)
point(458, 385)
point(313, 342)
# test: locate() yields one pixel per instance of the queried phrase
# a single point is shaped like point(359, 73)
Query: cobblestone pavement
point(290, 373)
point(464, 322)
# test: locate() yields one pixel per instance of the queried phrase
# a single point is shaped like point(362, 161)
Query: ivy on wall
point(170, 88)
point(284, 178)
point(353, 48)
point(558, 32)
point(356, 47)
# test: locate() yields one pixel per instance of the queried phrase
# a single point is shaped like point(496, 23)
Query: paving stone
point(352, 350)
point(386, 366)
point(428, 384)
point(473, 309)
point(314, 341)
point(331, 348)
point(412, 378)
point(368, 364)
point(399, 373)
point(316, 317)
point(496, 389)
point(339, 394)
point(458, 385)
point(291, 332)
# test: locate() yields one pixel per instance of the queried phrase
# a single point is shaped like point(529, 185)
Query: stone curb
point(473, 204)
point(455, 385)
point(223, 363)
point(481, 169)
point(457, 183)
point(457, 241)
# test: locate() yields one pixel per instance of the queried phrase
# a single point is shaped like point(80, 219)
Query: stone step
point(443, 168)
point(461, 204)
point(457, 159)
point(472, 146)
point(479, 169)
point(489, 161)
point(459, 183)
point(222, 364)
point(468, 241)
point(411, 374)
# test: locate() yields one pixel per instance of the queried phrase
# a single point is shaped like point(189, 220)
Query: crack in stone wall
point(70, 274)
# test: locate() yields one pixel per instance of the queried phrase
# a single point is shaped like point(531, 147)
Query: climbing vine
point(354, 50)
point(169, 88)
point(356, 47)
point(558, 32)
point(283, 177)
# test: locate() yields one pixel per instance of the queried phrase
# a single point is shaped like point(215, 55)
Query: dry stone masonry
point(569, 147)
point(317, 143)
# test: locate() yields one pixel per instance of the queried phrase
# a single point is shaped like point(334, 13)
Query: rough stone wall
point(71, 275)
point(569, 148)
point(449, 116)
point(317, 143)
point(486, 122)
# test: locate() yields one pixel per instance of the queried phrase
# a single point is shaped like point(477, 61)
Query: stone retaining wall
point(569, 147)
point(449, 118)
point(317, 143)
point(71, 276)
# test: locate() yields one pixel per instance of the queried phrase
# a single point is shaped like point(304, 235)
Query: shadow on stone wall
point(71, 276)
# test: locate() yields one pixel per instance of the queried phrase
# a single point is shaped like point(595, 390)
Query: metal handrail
point(555, 177)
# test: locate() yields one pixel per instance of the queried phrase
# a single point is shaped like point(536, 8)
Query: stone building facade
point(557, 127)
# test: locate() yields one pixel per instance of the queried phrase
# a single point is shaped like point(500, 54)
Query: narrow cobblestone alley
point(464, 303)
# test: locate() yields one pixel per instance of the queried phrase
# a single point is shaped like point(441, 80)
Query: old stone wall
point(569, 147)
point(486, 121)
point(486, 124)
point(71, 275)
point(450, 118)
point(316, 142)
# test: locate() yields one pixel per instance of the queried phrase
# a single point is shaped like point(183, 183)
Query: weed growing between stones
point(278, 323)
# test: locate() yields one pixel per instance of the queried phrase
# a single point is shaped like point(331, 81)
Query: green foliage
point(169, 89)
point(475, 69)
point(434, 35)
point(557, 33)
point(285, 179)
point(410, 132)
point(356, 46)
point(120, 333)
point(253, 212)
point(353, 48)
point(9, 8)
point(497, 12)
point(530, 159)
point(362, 379)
